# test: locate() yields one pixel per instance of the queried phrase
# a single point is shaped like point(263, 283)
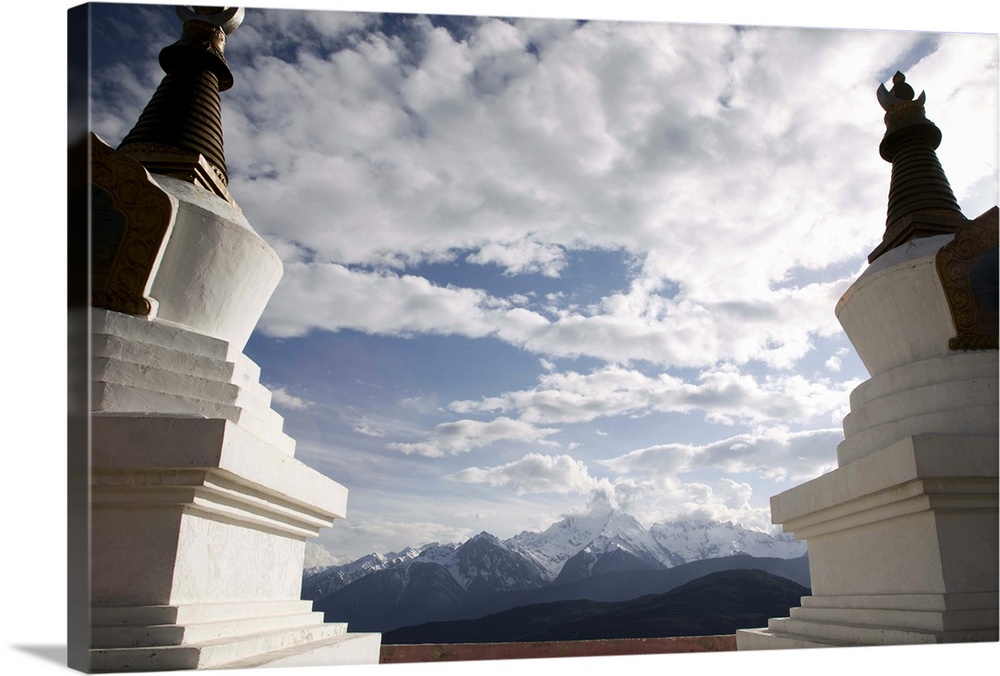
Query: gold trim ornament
point(129, 218)
point(967, 267)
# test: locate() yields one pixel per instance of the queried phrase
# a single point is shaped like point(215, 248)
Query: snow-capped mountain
point(604, 540)
point(697, 540)
point(480, 564)
point(441, 582)
point(484, 563)
point(323, 581)
point(604, 531)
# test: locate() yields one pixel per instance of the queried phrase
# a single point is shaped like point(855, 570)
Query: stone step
point(211, 654)
point(117, 398)
point(951, 396)
point(935, 621)
point(918, 602)
point(121, 349)
point(135, 636)
point(859, 635)
point(969, 420)
point(768, 639)
point(213, 388)
point(192, 613)
point(160, 332)
point(347, 649)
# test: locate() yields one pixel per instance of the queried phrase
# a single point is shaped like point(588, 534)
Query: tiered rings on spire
point(921, 202)
point(179, 133)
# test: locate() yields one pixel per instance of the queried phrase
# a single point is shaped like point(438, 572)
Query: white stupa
point(199, 511)
point(902, 537)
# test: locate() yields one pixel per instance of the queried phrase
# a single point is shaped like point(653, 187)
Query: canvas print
point(418, 338)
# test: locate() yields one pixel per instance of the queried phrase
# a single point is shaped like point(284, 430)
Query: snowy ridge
point(697, 540)
point(601, 531)
point(605, 539)
point(605, 532)
point(323, 581)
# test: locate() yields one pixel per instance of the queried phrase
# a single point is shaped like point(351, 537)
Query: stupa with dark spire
point(902, 536)
point(198, 512)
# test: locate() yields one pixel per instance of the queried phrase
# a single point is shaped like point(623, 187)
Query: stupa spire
point(921, 202)
point(179, 133)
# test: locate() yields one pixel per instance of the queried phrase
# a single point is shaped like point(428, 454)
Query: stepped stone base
point(293, 640)
point(199, 511)
point(903, 548)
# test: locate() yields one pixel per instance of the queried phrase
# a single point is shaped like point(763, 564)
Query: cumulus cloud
point(535, 473)
point(656, 498)
point(522, 257)
point(318, 555)
point(665, 499)
point(368, 429)
point(835, 361)
point(281, 398)
point(374, 302)
point(773, 452)
point(388, 145)
point(724, 394)
point(464, 435)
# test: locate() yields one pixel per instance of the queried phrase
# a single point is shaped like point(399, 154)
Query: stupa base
point(902, 548)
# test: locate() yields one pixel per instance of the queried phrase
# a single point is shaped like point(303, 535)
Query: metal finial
point(179, 133)
point(921, 202)
point(227, 19)
point(899, 94)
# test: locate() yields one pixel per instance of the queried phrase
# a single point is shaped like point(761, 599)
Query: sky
point(532, 265)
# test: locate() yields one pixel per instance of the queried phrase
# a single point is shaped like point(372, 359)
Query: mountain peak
point(484, 536)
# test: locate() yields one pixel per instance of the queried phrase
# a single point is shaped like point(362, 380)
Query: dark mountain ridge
point(427, 592)
point(717, 603)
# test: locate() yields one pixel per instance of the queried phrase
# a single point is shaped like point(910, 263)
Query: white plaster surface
point(199, 510)
point(141, 365)
point(954, 394)
point(345, 649)
point(216, 274)
point(896, 312)
point(903, 548)
point(198, 539)
point(964, 458)
point(160, 447)
point(316, 645)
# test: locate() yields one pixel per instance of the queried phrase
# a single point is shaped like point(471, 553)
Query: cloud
point(521, 257)
point(535, 473)
point(318, 555)
point(372, 534)
point(513, 142)
point(724, 394)
point(639, 325)
point(463, 436)
point(281, 398)
point(773, 452)
point(374, 302)
point(663, 497)
point(369, 429)
point(835, 361)
point(666, 499)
